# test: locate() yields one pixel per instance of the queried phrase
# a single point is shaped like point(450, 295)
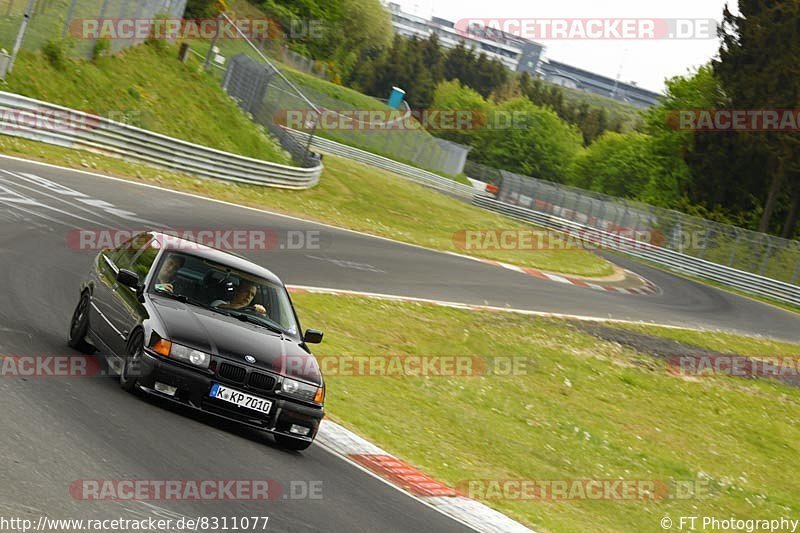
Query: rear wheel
point(291, 443)
point(130, 367)
point(79, 326)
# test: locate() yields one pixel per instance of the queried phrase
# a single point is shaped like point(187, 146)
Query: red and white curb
point(414, 482)
point(647, 287)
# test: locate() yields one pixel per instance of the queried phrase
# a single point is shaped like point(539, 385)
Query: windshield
point(206, 284)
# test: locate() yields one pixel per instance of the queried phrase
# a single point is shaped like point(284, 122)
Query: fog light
point(166, 389)
point(299, 430)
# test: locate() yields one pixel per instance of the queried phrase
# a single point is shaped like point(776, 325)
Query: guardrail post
point(766, 257)
point(796, 272)
point(735, 246)
point(706, 238)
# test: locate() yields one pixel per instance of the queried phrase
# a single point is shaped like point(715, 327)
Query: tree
point(758, 69)
point(525, 138)
point(454, 96)
point(350, 29)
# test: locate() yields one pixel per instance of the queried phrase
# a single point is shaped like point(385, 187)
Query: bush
point(101, 47)
point(57, 52)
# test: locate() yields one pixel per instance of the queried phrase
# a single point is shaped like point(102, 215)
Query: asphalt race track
point(57, 430)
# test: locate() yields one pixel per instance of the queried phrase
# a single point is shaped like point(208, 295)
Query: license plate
point(239, 398)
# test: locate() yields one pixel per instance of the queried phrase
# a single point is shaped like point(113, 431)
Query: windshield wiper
point(182, 298)
point(257, 321)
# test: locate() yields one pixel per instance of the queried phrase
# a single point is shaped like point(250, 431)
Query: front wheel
point(131, 365)
point(79, 326)
point(291, 444)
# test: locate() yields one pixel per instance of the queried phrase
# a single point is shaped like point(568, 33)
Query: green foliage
point(342, 32)
point(630, 165)
point(453, 96)
point(198, 9)
point(418, 66)
point(525, 138)
point(593, 116)
point(57, 51)
point(155, 90)
point(758, 69)
point(101, 47)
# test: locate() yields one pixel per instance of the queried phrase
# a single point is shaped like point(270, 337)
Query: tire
point(134, 354)
point(292, 444)
point(79, 326)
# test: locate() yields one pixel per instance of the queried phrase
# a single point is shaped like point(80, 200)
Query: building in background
point(512, 51)
point(519, 55)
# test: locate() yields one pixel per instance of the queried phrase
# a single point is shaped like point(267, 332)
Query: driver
point(242, 298)
point(166, 276)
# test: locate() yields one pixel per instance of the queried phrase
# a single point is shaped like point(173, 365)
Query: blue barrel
point(396, 98)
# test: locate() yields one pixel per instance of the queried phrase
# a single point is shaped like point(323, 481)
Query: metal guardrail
point(21, 116)
point(672, 260)
point(41, 121)
point(423, 177)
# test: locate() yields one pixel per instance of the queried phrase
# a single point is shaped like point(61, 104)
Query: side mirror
point(312, 336)
point(128, 279)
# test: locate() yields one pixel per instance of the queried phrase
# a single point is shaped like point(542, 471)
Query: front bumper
point(193, 387)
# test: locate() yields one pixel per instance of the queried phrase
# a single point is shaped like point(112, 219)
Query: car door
point(105, 317)
point(127, 310)
point(131, 311)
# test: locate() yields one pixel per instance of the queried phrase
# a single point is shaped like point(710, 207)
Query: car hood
point(227, 337)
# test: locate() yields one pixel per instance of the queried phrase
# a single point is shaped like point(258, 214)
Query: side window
point(142, 264)
point(125, 254)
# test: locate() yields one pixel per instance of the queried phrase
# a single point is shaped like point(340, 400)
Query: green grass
point(413, 145)
point(629, 116)
point(150, 88)
point(585, 409)
point(351, 195)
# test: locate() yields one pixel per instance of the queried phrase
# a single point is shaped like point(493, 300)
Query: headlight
point(303, 391)
point(195, 357)
point(182, 353)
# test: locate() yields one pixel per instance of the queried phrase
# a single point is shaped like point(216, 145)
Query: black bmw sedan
point(203, 328)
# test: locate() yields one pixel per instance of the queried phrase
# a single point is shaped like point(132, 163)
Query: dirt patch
point(669, 350)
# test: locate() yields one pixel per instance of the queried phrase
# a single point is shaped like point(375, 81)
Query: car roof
point(170, 242)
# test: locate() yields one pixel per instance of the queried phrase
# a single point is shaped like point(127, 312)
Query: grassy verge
point(349, 195)
point(147, 87)
point(584, 409)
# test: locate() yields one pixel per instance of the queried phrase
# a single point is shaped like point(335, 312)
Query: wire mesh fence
point(255, 85)
point(79, 23)
point(295, 92)
point(724, 244)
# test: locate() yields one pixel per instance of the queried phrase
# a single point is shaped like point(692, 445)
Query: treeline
point(337, 32)
point(746, 177)
point(419, 66)
point(749, 178)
